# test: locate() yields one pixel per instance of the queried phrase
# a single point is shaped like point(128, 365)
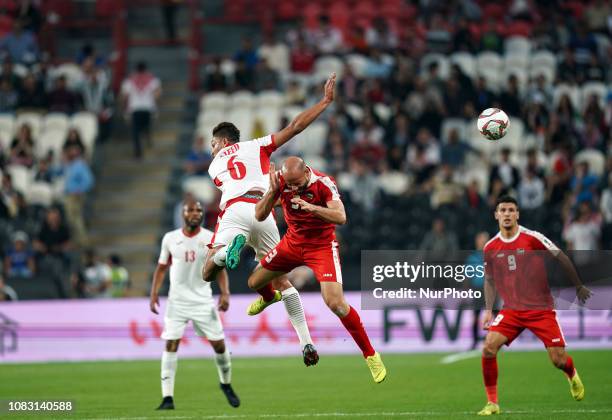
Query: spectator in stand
point(326, 38)
point(366, 190)
point(275, 53)
point(247, 54)
point(266, 78)
point(349, 86)
point(597, 15)
point(215, 79)
point(97, 96)
point(336, 152)
point(606, 210)
point(7, 293)
point(19, 259)
point(510, 98)
point(28, 13)
point(22, 147)
point(9, 98)
point(356, 41)
point(8, 198)
point(531, 191)
point(491, 39)
point(88, 54)
point(567, 69)
point(299, 32)
point(73, 139)
point(20, 45)
point(199, 158)
point(8, 72)
point(139, 94)
point(584, 184)
point(44, 170)
point(473, 198)
point(454, 98)
point(243, 76)
point(119, 277)
point(369, 141)
point(538, 117)
point(583, 44)
point(169, 9)
point(78, 182)
point(438, 36)
point(302, 57)
point(62, 99)
point(295, 94)
point(380, 36)
point(483, 96)
point(93, 279)
point(446, 192)
point(533, 165)
point(561, 172)
point(504, 171)
point(455, 150)
point(423, 155)
point(462, 38)
point(594, 71)
point(584, 232)
point(32, 95)
point(397, 139)
point(438, 239)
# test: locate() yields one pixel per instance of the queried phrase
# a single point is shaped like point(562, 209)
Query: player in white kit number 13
point(240, 171)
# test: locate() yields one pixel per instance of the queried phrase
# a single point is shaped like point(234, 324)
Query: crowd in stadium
point(50, 118)
point(402, 135)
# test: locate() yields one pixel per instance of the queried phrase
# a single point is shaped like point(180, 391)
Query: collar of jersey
point(516, 235)
point(192, 235)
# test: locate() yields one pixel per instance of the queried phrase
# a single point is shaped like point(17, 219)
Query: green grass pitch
point(417, 386)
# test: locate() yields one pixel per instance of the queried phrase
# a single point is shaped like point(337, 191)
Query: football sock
point(489, 374)
point(224, 366)
point(295, 310)
point(568, 369)
point(219, 257)
point(267, 292)
point(353, 325)
point(168, 371)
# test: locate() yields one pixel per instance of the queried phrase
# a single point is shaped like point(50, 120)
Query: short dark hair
point(506, 199)
point(141, 66)
point(227, 130)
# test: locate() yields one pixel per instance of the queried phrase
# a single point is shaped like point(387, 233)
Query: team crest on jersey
point(520, 251)
point(309, 195)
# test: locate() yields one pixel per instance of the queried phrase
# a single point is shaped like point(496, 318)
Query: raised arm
point(304, 119)
point(270, 198)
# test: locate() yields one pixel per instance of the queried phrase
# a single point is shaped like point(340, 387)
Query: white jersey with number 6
point(242, 167)
point(185, 255)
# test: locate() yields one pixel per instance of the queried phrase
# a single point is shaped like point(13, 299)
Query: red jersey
point(304, 227)
point(519, 273)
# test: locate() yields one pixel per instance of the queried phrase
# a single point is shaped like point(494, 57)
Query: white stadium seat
point(358, 64)
point(269, 99)
point(55, 121)
point(543, 58)
point(517, 45)
point(443, 64)
point(50, 141)
point(452, 123)
point(228, 67)
point(595, 159)
point(488, 60)
point(7, 130)
point(242, 99)
point(564, 89)
point(291, 112)
point(21, 177)
point(355, 111)
point(214, 101)
point(383, 112)
point(594, 88)
point(394, 183)
point(39, 193)
point(73, 73)
point(243, 119)
point(549, 73)
point(312, 140)
point(201, 187)
point(516, 60)
point(521, 77)
point(515, 136)
point(33, 119)
point(270, 118)
point(328, 64)
point(87, 125)
point(466, 61)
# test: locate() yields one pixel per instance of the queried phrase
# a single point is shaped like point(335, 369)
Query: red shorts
point(324, 260)
point(544, 324)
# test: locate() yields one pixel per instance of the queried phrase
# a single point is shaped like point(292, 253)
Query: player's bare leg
point(563, 361)
point(268, 283)
point(224, 369)
point(333, 297)
point(492, 344)
point(168, 372)
point(214, 264)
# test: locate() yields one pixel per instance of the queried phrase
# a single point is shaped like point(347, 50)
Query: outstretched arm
point(270, 198)
point(305, 118)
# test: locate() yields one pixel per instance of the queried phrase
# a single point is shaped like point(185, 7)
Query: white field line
point(456, 357)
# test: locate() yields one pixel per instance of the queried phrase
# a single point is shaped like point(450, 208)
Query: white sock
point(295, 310)
point(224, 366)
point(168, 371)
point(219, 257)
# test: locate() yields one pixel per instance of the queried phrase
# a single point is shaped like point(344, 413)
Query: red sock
point(489, 374)
point(353, 325)
point(569, 368)
point(267, 292)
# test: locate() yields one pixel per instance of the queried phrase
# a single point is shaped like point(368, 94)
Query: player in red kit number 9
point(312, 207)
point(514, 269)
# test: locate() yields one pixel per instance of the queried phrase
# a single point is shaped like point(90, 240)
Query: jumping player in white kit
point(190, 299)
point(240, 170)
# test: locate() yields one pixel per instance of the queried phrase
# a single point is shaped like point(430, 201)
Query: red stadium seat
point(311, 13)
point(6, 25)
point(287, 10)
point(493, 11)
point(364, 10)
point(518, 28)
point(340, 16)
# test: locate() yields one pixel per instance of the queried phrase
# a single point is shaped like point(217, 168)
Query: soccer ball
point(493, 123)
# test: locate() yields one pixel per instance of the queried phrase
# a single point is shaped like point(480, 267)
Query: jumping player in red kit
point(515, 269)
point(312, 207)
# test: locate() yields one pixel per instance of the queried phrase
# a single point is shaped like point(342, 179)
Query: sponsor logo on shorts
point(556, 340)
point(328, 275)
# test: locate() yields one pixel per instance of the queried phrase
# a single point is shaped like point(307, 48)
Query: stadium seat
point(452, 123)
point(384, 112)
point(269, 99)
point(517, 45)
point(327, 64)
point(73, 73)
point(55, 121)
point(243, 119)
point(58, 188)
point(594, 88)
point(210, 116)
point(492, 77)
point(358, 64)
point(269, 117)
point(479, 174)
point(316, 162)
point(242, 99)
point(489, 60)
point(291, 112)
point(549, 73)
point(7, 130)
point(466, 62)
point(394, 183)
point(595, 159)
point(478, 142)
point(311, 141)
point(34, 119)
point(214, 101)
point(87, 125)
point(513, 59)
point(39, 193)
point(228, 67)
point(201, 187)
point(50, 140)
point(521, 76)
point(572, 92)
point(543, 58)
point(21, 177)
point(515, 135)
point(443, 64)
point(355, 111)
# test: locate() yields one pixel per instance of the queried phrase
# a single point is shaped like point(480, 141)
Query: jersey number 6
point(237, 170)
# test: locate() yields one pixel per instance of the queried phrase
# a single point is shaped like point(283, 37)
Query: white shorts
point(239, 218)
point(204, 317)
